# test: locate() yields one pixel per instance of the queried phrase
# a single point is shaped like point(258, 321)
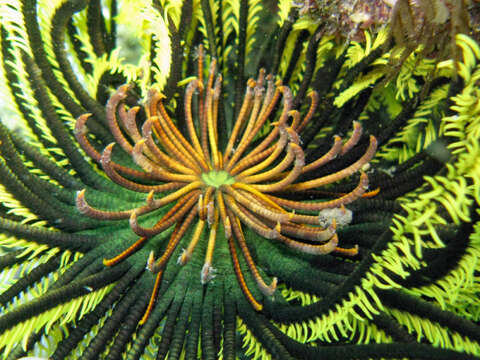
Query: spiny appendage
point(233, 188)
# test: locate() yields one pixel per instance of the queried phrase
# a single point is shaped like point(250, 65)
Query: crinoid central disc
point(217, 178)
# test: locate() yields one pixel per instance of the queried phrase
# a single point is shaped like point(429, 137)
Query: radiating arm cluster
point(201, 187)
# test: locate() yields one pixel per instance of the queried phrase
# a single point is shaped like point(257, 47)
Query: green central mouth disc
point(217, 178)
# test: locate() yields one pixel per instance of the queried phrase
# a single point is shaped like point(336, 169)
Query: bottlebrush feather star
point(209, 187)
point(248, 185)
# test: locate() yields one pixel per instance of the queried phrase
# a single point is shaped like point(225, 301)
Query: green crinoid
point(247, 186)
